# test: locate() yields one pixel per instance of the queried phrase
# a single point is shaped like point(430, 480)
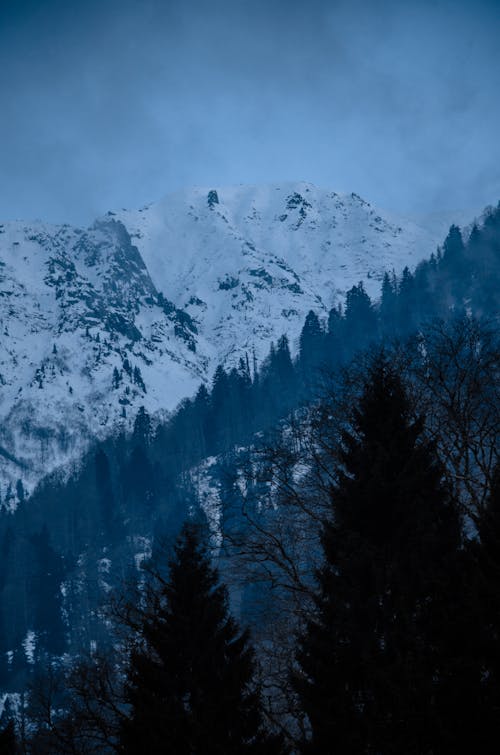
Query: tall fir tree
point(407, 302)
point(484, 629)
point(220, 432)
point(360, 319)
point(455, 267)
point(142, 433)
point(191, 677)
point(388, 305)
point(281, 379)
point(311, 347)
point(369, 660)
point(453, 249)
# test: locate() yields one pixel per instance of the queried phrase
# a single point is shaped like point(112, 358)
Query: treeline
point(392, 598)
point(460, 278)
point(74, 540)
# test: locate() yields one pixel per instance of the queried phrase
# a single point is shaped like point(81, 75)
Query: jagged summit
point(139, 308)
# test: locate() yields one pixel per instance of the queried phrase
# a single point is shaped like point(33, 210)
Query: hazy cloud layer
point(114, 102)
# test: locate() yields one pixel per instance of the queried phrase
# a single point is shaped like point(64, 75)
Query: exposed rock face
point(140, 308)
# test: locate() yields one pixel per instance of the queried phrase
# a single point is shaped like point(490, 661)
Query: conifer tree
point(370, 660)
point(142, 434)
point(311, 346)
point(190, 681)
point(407, 302)
point(453, 249)
point(280, 375)
point(220, 434)
point(360, 323)
point(200, 431)
point(485, 627)
point(388, 305)
point(427, 305)
point(454, 265)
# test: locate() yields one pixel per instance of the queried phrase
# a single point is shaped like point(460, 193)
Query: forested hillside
point(323, 485)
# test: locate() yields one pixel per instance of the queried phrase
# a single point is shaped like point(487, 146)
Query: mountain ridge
point(139, 308)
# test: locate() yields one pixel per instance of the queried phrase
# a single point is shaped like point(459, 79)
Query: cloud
point(113, 103)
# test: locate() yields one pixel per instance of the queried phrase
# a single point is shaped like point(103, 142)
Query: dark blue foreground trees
point(191, 685)
point(373, 663)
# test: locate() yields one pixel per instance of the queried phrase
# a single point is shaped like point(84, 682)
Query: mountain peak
point(140, 308)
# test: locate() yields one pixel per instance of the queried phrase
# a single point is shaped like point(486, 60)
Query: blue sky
point(117, 102)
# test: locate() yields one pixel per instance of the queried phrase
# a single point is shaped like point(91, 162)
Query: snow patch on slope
point(141, 307)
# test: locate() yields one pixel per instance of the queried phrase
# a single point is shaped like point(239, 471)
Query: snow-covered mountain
point(141, 307)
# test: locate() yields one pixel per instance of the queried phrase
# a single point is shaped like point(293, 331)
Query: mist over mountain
point(206, 360)
point(140, 308)
point(249, 377)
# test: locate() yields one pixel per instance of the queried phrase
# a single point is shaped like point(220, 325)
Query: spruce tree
point(388, 305)
point(311, 343)
point(190, 681)
point(454, 265)
point(360, 321)
point(281, 379)
point(220, 432)
point(142, 434)
point(335, 346)
point(453, 249)
point(484, 630)
point(407, 302)
point(369, 660)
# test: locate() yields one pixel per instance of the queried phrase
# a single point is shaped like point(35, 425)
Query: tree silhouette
point(370, 659)
point(190, 681)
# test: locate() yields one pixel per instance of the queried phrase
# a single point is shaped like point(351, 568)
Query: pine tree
point(483, 250)
point(280, 374)
point(142, 433)
point(190, 680)
point(335, 346)
point(311, 348)
point(369, 660)
point(220, 434)
point(116, 379)
point(427, 305)
point(454, 265)
point(388, 305)
point(360, 322)
point(138, 379)
point(201, 414)
point(485, 627)
point(407, 302)
point(453, 249)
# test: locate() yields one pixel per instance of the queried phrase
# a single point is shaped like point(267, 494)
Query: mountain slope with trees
point(73, 541)
point(141, 307)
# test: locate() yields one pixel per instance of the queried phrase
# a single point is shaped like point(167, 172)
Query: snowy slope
point(248, 262)
point(140, 308)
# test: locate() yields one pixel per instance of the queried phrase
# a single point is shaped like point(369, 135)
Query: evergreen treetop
point(368, 659)
point(191, 678)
